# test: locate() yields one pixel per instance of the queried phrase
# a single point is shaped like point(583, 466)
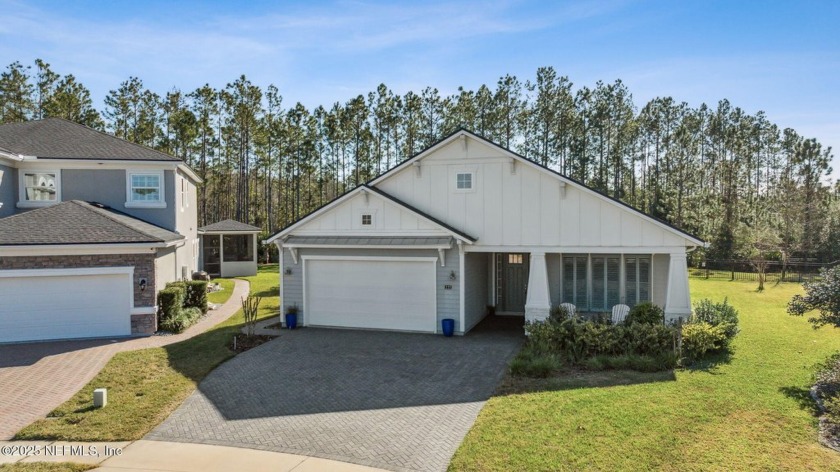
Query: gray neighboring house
point(465, 226)
point(229, 249)
point(91, 227)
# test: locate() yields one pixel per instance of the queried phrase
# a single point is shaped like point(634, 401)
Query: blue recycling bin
point(448, 326)
point(291, 320)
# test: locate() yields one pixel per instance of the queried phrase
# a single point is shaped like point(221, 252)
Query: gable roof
point(57, 138)
point(78, 222)
point(465, 132)
point(458, 234)
point(229, 225)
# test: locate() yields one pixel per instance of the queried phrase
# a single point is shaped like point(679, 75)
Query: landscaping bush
point(196, 295)
point(637, 362)
point(645, 312)
point(717, 314)
point(700, 338)
point(822, 294)
point(529, 363)
point(185, 318)
point(170, 305)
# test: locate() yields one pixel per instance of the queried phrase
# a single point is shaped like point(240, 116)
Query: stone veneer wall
point(144, 267)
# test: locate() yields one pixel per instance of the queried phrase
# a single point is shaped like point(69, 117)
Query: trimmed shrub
point(533, 364)
point(196, 295)
point(645, 312)
point(186, 318)
point(717, 314)
point(170, 305)
point(700, 338)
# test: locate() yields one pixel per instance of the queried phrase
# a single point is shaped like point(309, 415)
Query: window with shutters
point(605, 282)
point(576, 281)
point(637, 283)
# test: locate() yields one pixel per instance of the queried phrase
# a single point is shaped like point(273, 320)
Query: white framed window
point(185, 201)
point(367, 219)
point(464, 181)
point(39, 187)
point(144, 189)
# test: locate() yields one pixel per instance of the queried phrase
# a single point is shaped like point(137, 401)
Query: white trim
point(515, 157)
point(580, 249)
point(434, 314)
point(79, 271)
point(144, 310)
point(471, 188)
point(250, 231)
point(439, 247)
point(461, 297)
point(23, 202)
point(81, 249)
point(129, 203)
point(351, 194)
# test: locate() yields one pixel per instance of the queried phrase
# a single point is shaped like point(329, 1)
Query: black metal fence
point(730, 269)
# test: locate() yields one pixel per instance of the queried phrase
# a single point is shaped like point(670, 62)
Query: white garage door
point(43, 304)
point(382, 293)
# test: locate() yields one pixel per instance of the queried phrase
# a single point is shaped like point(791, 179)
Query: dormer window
point(367, 219)
point(39, 188)
point(145, 189)
point(464, 181)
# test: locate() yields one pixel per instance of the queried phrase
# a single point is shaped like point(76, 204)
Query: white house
point(468, 224)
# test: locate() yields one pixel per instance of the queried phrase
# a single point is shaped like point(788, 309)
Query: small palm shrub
point(645, 312)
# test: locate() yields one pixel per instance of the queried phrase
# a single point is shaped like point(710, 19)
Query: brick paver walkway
point(37, 377)
point(391, 400)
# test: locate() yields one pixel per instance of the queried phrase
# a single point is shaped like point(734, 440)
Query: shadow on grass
point(802, 396)
point(712, 363)
point(571, 379)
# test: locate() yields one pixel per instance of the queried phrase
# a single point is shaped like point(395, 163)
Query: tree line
point(732, 178)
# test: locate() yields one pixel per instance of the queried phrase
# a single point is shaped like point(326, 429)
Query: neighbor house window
point(145, 189)
point(464, 181)
point(39, 188)
point(367, 219)
point(238, 247)
point(514, 258)
point(637, 275)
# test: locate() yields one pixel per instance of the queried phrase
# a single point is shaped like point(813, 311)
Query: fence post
point(732, 266)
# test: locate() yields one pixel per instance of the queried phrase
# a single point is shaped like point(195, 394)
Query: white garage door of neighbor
point(371, 293)
point(82, 305)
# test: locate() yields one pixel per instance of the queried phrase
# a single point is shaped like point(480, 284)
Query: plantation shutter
point(598, 283)
point(568, 280)
point(613, 282)
point(644, 279)
point(581, 283)
point(630, 285)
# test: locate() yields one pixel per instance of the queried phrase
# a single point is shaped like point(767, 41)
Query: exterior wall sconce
point(288, 271)
point(452, 275)
point(142, 284)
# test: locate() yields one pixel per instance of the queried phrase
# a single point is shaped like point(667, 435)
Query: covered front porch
point(530, 283)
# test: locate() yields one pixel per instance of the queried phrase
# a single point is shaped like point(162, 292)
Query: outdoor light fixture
point(288, 271)
point(142, 285)
point(452, 275)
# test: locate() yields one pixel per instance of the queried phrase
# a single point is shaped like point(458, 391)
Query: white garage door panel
point(62, 307)
point(379, 294)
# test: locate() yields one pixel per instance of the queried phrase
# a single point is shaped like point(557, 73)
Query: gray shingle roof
point(369, 241)
point(57, 138)
point(228, 225)
point(78, 222)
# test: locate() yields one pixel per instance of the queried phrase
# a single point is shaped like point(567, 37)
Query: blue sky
point(780, 57)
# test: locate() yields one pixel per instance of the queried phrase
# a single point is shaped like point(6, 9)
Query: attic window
point(464, 181)
point(367, 219)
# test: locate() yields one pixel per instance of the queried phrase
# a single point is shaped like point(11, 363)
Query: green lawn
point(748, 412)
point(45, 467)
point(222, 295)
point(145, 386)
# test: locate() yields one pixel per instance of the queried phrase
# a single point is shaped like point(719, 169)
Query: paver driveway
point(391, 400)
point(37, 377)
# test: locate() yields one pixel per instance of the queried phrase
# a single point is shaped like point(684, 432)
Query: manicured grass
point(46, 467)
point(747, 412)
point(222, 295)
point(145, 386)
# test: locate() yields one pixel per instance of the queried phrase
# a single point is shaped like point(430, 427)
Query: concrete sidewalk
point(158, 456)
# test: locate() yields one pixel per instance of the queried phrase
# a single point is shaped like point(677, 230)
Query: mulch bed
point(245, 342)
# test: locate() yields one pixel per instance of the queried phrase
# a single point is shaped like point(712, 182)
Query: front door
point(515, 268)
point(211, 254)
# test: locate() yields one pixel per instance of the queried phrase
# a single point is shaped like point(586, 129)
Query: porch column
point(677, 298)
point(538, 300)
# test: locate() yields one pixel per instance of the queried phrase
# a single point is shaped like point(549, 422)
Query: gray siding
point(659, 282)
point(448, 304)
point(108, 187)
point(8, 191)
point(475, 288)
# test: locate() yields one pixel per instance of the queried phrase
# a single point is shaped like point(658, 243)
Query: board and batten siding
point(515, 204)
point(476, 272)
point(448, 301)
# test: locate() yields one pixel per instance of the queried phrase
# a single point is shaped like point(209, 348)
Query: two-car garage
point(393, 293)
point(49, 304)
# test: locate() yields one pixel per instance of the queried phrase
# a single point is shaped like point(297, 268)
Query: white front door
point(45, 304)
point(377, 293)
